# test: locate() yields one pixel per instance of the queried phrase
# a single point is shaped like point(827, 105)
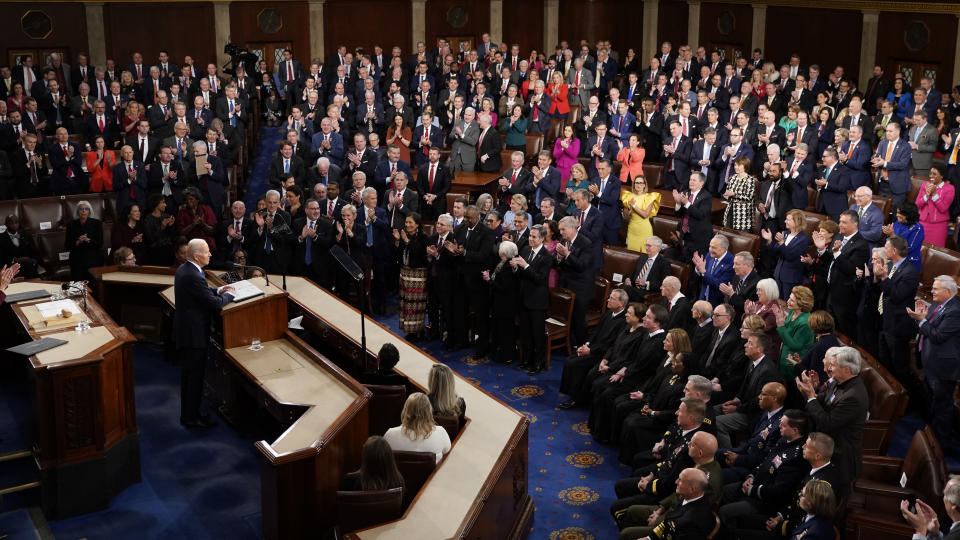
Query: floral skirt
point(412, 310)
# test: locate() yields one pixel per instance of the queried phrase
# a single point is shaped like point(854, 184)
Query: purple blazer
point(566, 159)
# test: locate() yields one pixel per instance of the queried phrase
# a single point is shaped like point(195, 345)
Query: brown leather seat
point(535, 143)
point(653, 172)
point(43, 213)
point(740, 240)
point(618, 260)
point(663, 226)
point(54, 256)
point(916, 182)
point(385, 406)
point(937, 261)
point(601, 289)
point(7, 208)
point(574, 116)
point(416, 468)
point(813, 222)
point(361, 509)
point(556, 130)
point(428, 228)
point(812, 196)
point(873, 508)
point(559, 313)
point(450, 423)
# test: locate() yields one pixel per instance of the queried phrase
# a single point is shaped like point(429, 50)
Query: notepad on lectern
point(245, 291)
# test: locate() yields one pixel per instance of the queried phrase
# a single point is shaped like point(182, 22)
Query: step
point(16, 454)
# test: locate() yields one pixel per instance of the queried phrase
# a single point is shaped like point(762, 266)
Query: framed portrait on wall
point(43, 56)
point(16, 56)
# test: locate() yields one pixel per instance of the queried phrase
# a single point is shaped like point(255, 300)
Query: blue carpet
point(17, 525)
point(195, 483)
point(571, 476)
point(269, 143)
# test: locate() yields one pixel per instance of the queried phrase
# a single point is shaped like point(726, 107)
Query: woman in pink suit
point(934, 201)
point(565, 152)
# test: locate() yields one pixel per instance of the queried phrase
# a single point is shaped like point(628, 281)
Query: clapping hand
point(807, 383)
point(765, 233)
point(699, 262)
point(919, 311)
point(7, 274)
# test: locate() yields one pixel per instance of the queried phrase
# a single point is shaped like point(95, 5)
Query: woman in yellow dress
point(642, 205)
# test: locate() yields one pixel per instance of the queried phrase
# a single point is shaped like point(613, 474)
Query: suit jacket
point(782, 200)
point(871, 224)
point(212, 185)
point(297, 170)
point(765, 435)
point(775, 479)
point(608, 147)
point(858, 163)
point(800, 178)
point(766, 371)
point(463, 148)
point(152, 147)
point(898, 167)
point(582, 95)
point(724, 166)
point(416, 149)
point(198, 303)
point(607, 201)
point(679, 161)
point(442, 179)
point(697, 216)
point(155, 181)
point(659, 270)
point(122, 186)
point(592, 228)
point(477, 256)
point(397, 215)
point(490, 146)
point(696, 155)
point(679, 315)
point(518, 187)
point(717, 272)
point(240, 114)
point(841, 412)
point(198, 130)
point(533, 279)
point(843, 275)
point(381, 180)
point(68, 177)
point(542, 123)
point(833, 196)
point(940, 336)
point(789, 269)
point(334, 154)
point(742, 291)
point(578, 267)
point(927, 141)
point(899, 290)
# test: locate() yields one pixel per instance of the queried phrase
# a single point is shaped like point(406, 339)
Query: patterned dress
point(739, 213)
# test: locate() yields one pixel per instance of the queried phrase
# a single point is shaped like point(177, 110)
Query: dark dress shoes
point(568, 404)
point(202, 421)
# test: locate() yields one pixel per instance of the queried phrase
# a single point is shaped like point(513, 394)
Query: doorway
point(271, 52)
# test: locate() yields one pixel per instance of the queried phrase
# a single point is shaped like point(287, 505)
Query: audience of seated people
point(772, 402)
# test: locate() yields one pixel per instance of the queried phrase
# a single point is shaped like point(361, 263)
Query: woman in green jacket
point(795, 333)
point(515, 126)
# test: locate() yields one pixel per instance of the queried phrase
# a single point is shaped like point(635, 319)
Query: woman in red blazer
point(631, 158)
point(559, 107)
point(100, 162)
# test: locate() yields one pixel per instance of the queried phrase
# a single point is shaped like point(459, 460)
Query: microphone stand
point(354, 271)
point(262, 271)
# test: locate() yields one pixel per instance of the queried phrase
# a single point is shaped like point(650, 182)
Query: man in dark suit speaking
point(196, 304)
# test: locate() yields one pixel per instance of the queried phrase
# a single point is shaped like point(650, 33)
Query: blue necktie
point(370, 234)
point(233, 119)
point(286, 166)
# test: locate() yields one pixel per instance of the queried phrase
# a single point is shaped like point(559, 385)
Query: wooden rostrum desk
point(87, 447)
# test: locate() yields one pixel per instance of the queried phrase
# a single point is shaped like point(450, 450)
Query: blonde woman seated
point(443, 393)
point(418, 432)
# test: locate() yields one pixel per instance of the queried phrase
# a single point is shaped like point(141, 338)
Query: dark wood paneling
point(739, 35)
point(477, 20)
point(523, 24)
point(69, 28)
point(147, 28)
point(672, 24)
point(296, 26)
point(842, 47)
point(392, 25)
point(891, 46)
point(592, 21)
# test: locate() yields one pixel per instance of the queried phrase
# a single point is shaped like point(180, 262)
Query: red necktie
point(133, 194)
point(289, 71)
point(139, 72)
point(69, 168)
point(426, 134)
point(514, 179)
point(330, 208)
point(535, 112)
point(480, 140)
point(581, 218)
point(432, 172)
point(100, 123)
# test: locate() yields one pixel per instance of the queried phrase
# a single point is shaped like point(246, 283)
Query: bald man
point(197, 303)
point(739, 461)
point(691, 516)
point(640, 520)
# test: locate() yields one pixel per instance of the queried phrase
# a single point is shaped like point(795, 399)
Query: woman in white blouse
point(418, 432)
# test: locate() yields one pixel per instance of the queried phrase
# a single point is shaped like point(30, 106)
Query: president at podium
point(197, 303)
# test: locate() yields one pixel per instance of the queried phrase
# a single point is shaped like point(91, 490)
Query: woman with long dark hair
point(378, 468)
point(411, 248)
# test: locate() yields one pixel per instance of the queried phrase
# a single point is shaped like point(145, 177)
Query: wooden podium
point(87, 446)
point(324, 411)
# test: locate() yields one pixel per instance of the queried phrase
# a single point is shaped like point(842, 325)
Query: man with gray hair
point(580, 370)
point(714, 269)
point(650, 272)
point(442, 270)
point(462, 140)
point(840, 411)
point(271, 247)
point(209, 177)
point(924, 521)
point(939, 343)
point(743, 286)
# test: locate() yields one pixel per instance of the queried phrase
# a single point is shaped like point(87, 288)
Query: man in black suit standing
point(235, 232)
point(144, 146)
point(433, 180)
point(577, 268)
point(650, 272)
point(850, 253)
point(488, 146)
point(315, 236)
point(693, 207)
point(744, 284)
point(196, 305)
point(840, 410)
point(898, 286)
point(533, 266)
point(286, 165)
point(677, 155)
point(474, 245)
point(512, 182)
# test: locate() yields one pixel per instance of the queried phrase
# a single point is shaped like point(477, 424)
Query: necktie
point(267, 245)
point(34, 179)
point(713, 350)
point(307, 252)
point(581, 217)
point(890, 146)
point(100, 123)
point(646, 269)
point(156, 90)
point(103, 89)
point(684, 120)
point(290, 71)
point(513, 180)
point(426, 134)
point(953, 155)
point(210, 148)
point(213, 84)
point(141, 148)
point(69, 169)
point(330, 208)
point(433, 170)
point(237, 228)
point(286, 166)
point(133, 193)
point(139, 72)
point(936, 310)
point(233, 117)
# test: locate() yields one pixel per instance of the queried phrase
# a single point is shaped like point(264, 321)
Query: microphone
point(237, 266)
point(79, 286)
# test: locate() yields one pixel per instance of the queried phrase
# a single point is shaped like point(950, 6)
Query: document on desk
point(52, 309)
point(245, 291)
